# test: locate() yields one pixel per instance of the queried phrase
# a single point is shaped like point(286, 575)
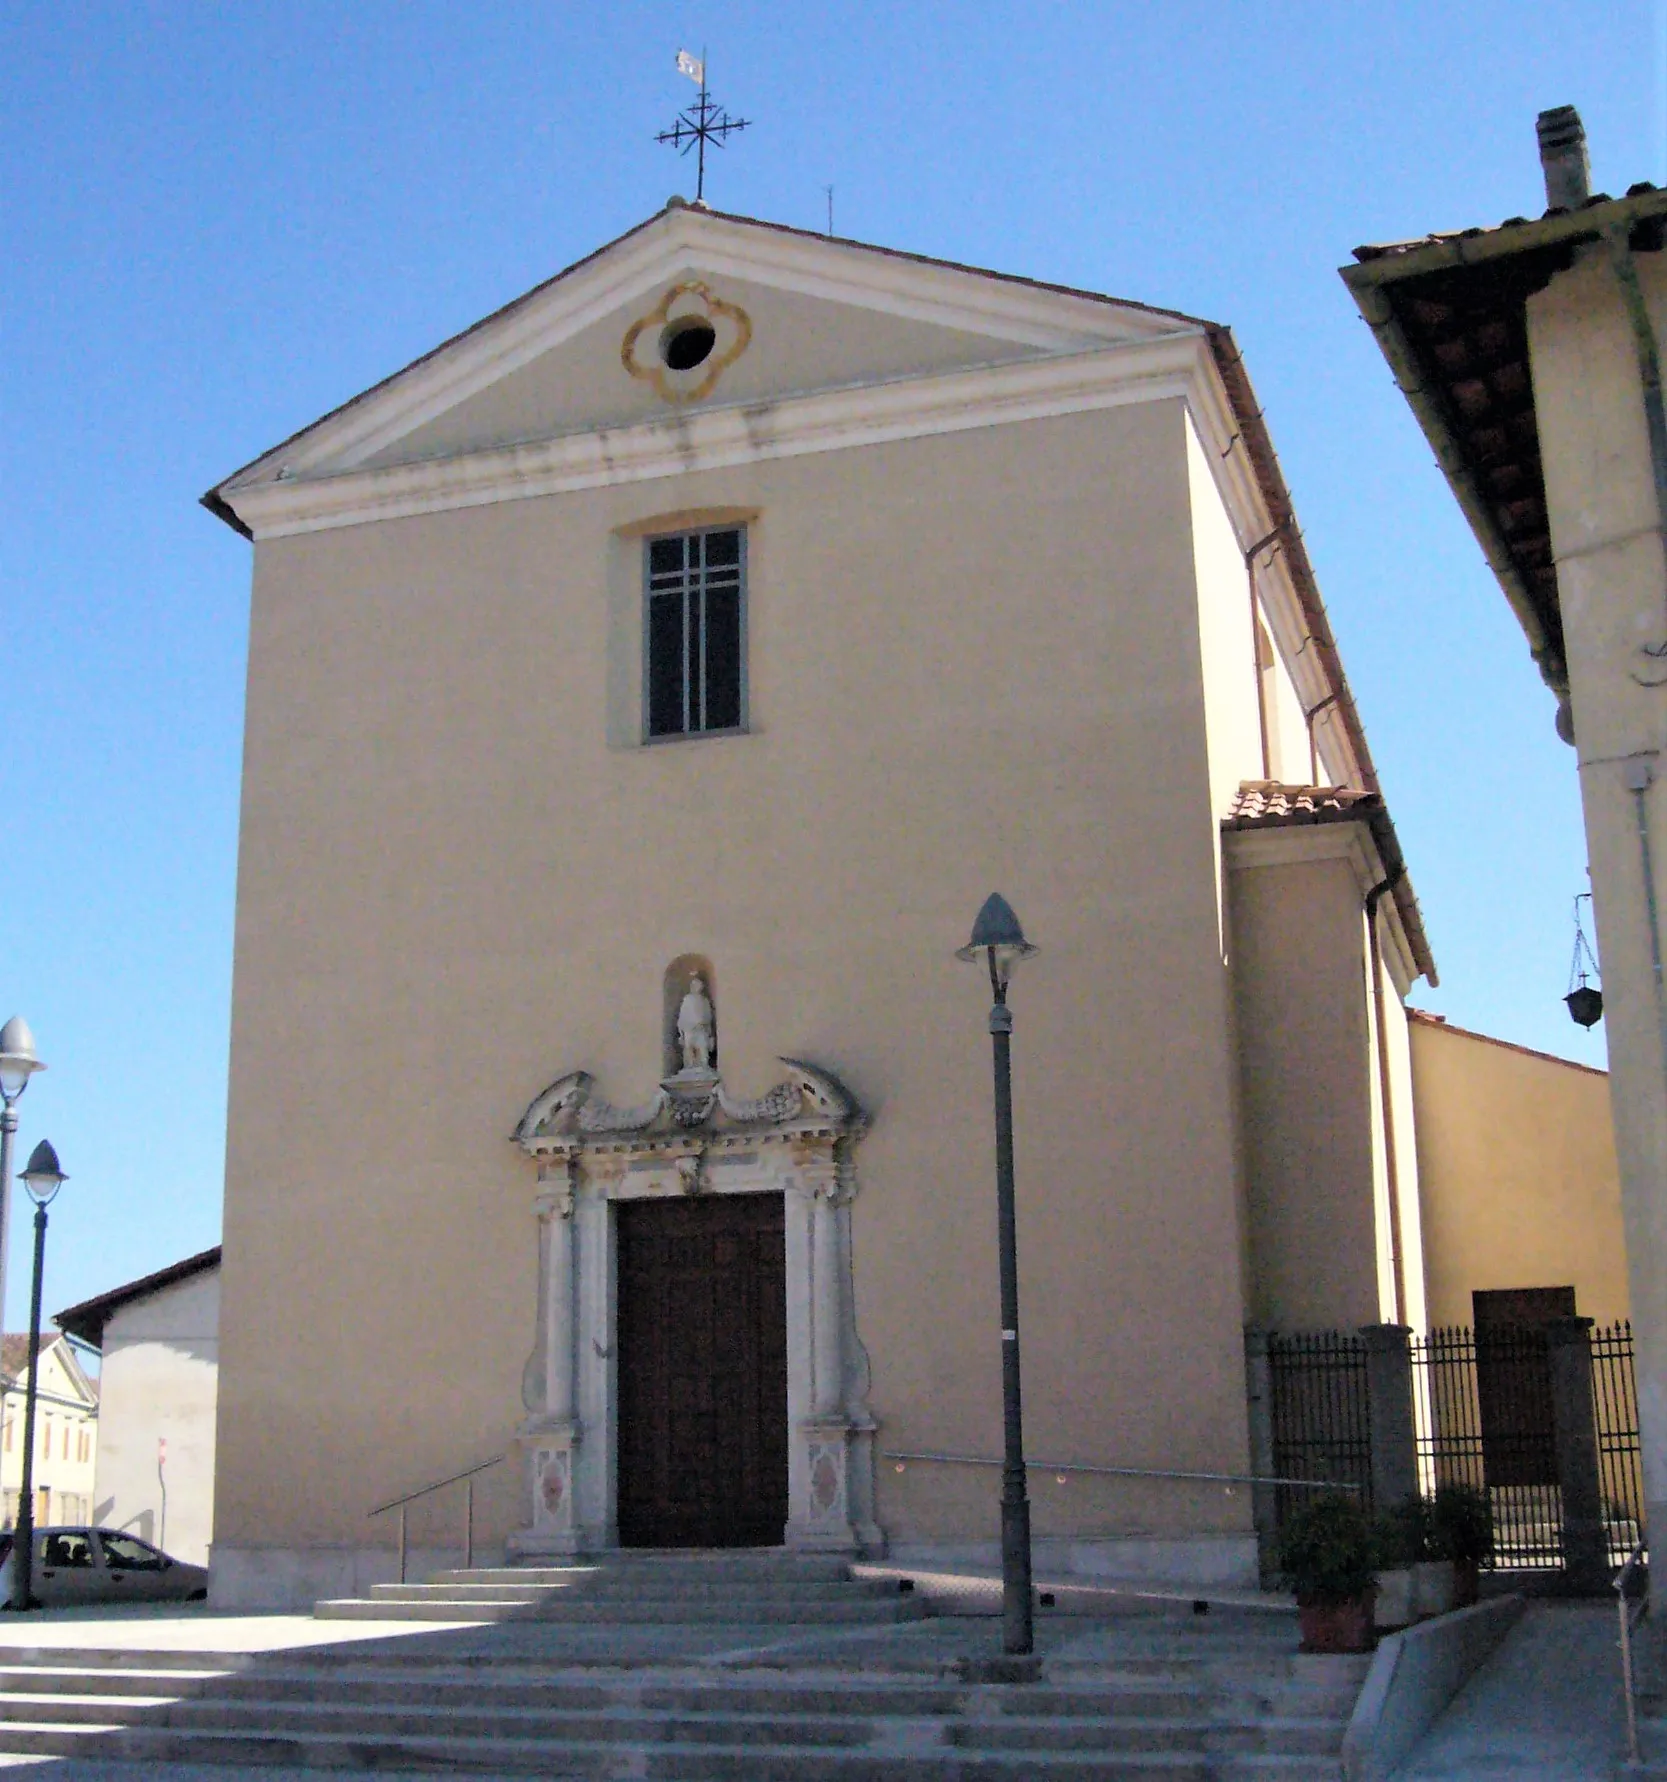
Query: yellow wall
point(1517, 1174)
point(974, 664)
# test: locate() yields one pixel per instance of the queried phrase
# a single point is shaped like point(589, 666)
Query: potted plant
point(1461, 1530)
point(1432, 1570)
point(1328, 1551)
point(1400, 1537)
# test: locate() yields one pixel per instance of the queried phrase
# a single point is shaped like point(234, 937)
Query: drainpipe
point(1638, 778)
point(1391, 1171)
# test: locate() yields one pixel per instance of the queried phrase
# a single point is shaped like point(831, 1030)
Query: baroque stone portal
point(693, 1137)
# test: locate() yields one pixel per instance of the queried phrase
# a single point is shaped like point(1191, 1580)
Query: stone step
point(636, 1610)
point(613, 1588)
point(634, 1726)
point(362, 1683)
point(743, 1563)
point(720, 1763)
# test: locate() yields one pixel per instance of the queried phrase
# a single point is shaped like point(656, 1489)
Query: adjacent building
point(66, 1430)
point(159, 1339)
point(1518, 1183)
point(1531, 355)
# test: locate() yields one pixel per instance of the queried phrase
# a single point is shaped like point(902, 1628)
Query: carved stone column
point(550, 1433)
point(832, 1502)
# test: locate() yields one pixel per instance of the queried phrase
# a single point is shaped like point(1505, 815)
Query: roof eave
point(1373, 283)
point(1455, 466)
point(91, 1315)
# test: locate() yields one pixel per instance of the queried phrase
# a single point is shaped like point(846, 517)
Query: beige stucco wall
point(1606, 534)
point(974, 663)
point(1308, 1086)
point(160, 1375)
point(1518, 1177)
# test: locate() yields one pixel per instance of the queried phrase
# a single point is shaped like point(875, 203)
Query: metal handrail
point(1630, 1619)
point(1125, 1472)
point(401, 1504)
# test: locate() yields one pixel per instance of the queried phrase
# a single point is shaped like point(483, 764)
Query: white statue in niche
point(696, 1032)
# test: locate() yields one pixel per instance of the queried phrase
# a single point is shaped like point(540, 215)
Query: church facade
point(646, 688)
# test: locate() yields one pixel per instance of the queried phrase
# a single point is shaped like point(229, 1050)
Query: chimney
point(1568, 173)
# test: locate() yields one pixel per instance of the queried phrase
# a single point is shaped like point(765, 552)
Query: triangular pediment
point(791, 314)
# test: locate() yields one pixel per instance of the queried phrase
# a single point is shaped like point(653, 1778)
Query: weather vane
point(702, 123)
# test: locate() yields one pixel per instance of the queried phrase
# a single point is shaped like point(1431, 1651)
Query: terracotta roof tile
point(1268, 804)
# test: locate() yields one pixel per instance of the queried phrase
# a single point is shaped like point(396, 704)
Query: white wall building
point(66, 1430)
point(160, 1338)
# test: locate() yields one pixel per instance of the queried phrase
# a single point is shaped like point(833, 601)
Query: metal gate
point(1482, 1414)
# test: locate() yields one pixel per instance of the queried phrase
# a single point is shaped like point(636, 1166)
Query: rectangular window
point(695, 633)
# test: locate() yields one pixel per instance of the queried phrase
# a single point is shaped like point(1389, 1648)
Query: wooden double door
point(702, 1352)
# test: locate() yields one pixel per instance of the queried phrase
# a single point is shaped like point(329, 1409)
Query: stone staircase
point(759, 1589)
point(1144, 1698)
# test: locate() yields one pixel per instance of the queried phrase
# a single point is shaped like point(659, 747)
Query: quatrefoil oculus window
point(686, 342)
point(694, 633)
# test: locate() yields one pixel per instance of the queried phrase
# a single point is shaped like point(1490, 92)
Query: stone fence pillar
point(1264, 1508)
point(1389, 1408)
point(1585, 1534)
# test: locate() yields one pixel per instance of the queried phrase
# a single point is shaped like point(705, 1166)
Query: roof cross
point(701, 124)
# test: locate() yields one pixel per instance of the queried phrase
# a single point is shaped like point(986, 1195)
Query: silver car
point(101, 1565)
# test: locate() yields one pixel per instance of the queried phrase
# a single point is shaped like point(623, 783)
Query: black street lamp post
point(18, 1063)
point(997, 935)
point(43, 1178)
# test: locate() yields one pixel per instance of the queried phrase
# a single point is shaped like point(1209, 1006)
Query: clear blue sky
point(218, 221)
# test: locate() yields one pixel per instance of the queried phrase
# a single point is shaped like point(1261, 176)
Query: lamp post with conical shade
point(43, 1178)
point(18, 1064)
point(997, 936)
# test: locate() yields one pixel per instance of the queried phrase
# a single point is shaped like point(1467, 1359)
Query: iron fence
point(1482, 1412)
point(1620, 1456)
point(1321, 1413)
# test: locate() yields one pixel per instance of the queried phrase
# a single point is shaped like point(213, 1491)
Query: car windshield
point(122, 1553)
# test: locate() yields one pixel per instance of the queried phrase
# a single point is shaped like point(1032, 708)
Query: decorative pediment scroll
point(809, 1102)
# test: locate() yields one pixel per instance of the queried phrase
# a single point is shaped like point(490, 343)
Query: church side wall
point(974, 663)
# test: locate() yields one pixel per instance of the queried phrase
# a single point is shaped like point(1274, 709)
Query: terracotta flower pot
point(1432, 1587)
point(1337, 1627)
point(1394, 1599)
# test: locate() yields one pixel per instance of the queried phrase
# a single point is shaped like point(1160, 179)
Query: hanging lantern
point(1585, 999)
point(1585, 1004)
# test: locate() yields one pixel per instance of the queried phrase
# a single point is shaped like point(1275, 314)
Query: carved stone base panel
point(796, 1141)
point(549, 1449)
